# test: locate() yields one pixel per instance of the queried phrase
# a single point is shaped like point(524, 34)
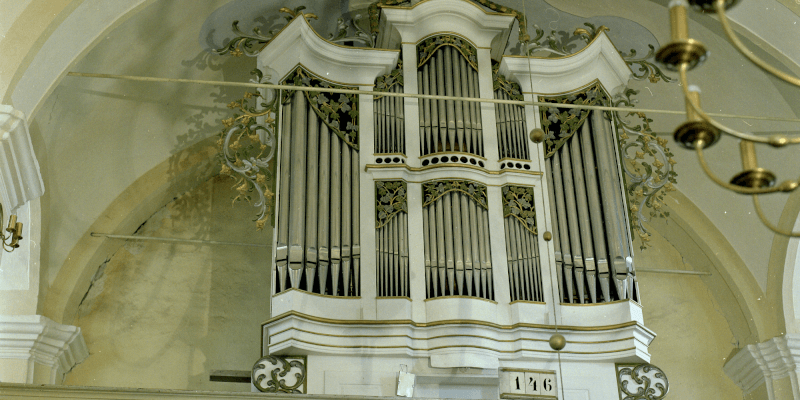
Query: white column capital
point(34, 339)
point(20, 179)
point(766, 362)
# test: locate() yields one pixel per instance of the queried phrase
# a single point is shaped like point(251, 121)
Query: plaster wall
point(163, 315)
point(694, 339)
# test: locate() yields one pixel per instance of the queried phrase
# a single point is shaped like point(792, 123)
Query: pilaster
point(34, 349)
point(766, 363)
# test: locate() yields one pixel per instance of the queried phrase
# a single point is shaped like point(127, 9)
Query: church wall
point(163, 315)
point(694, 339)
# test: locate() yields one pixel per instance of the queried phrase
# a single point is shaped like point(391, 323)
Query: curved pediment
point(298, 43)
point(599, 60)
point(410, 25)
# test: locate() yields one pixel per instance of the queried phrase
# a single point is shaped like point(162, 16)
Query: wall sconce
point(10, 240)
point(701, 131)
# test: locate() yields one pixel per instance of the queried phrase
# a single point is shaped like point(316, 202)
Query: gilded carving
point(428, 47)
point(641, 382)
point(560, 124)
point(339, 111)
point(518, 203)
point(386, 82)
point(433, 190)
point(280, 374)
point(390, 199)
point(247, 146)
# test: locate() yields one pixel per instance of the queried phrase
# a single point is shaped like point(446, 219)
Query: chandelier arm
point(776, 141)
point(768, 224)
point(723, 19)
point(738, 189)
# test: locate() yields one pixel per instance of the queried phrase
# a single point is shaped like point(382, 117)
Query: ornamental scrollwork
point(247, 146)
point(360, 35)
point(385, 83)
point(646, 68)
point(641, 382)
point(648, 166)
point(518, 203)
point(271, 374)
point(434, 190)
point(390, 200)
point(428, 47)
point(560, 124)
point(563, 43)
point(250, 44)
point(499, 82)
point(339, 111)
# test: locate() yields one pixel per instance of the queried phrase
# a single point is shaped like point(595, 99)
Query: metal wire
point(418, 96)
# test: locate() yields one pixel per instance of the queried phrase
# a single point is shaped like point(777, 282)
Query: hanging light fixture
point(11, 240)
point(700, 131)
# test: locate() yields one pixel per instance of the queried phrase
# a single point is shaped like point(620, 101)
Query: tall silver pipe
point(612, 208)
point(510, 129)
point(525, 267)
point(379, 261)
point(423, 81)
point(324, 206)
point(563, 230)
point(440, 83)
point(456, 74)
point(426, 233)
point(456, 238)
point(522, 136)
point(297, 206)
point(401, 129)
point(555, 227)
point(380, 121)
point(486, 255)
point(282, 252)
point(536, 268)
point(356, 213)
point(384, 260)
point(336, 212)
point(478, 124)
point(501, 127)
point(404, 252)
point(447, 204)
point(311, 194)
point(467, 237)
point(440, 242)
point(431, 213)
point(469, 135)
point(572, 219)
point(511, 237)
point(347, 220)
point(474, 245)
point(447, 73)
point(595, 210)
point(394, 259)
point(583, 212)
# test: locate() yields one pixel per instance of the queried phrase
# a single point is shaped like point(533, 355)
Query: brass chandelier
point(701, 130)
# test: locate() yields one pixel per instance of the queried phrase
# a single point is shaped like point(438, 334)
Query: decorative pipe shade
point(20, 179)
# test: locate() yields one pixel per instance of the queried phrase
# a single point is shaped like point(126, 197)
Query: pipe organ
point(436, 230)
